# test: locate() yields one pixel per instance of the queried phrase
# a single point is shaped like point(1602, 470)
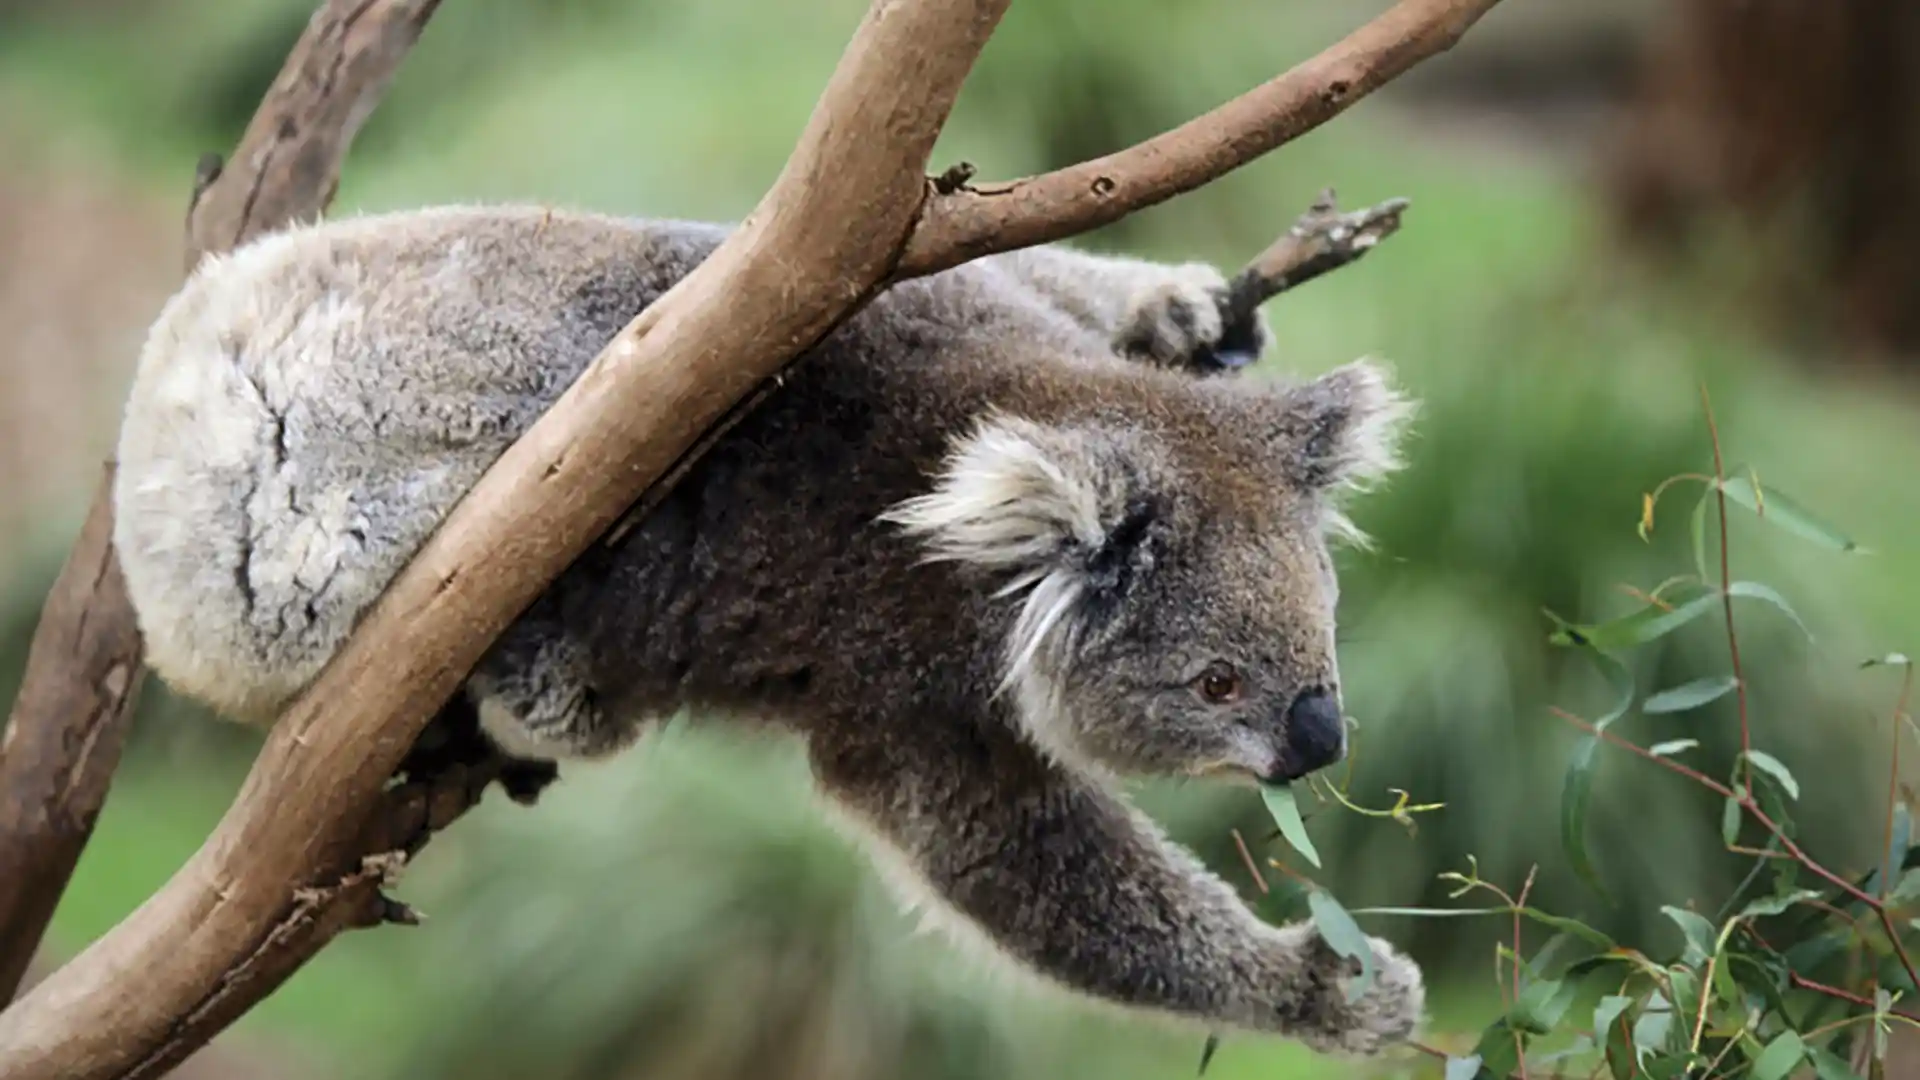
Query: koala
point(1013, 534)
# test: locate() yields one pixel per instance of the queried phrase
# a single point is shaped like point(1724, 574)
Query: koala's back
point(307, 409)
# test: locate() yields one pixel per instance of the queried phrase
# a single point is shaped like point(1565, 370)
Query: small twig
point(1253, 868)
point(1893, 781)
point(1751, 806)
point(1526, 888)
point(954, 178)
point(1322, 240)
point(1726, 596)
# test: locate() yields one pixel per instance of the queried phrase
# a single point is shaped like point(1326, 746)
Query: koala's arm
point(1172, 314)
point(1071, 883)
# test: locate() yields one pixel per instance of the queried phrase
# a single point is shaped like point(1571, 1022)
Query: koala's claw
point(453, 739)
point(1190, 323)
point(1387, 1013)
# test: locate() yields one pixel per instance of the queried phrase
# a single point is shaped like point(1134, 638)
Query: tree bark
point(84, 668)
point(835, 228)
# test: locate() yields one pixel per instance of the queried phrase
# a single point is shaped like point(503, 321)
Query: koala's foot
point(1318, 1013)
point(454, 739)
point(1189, 322)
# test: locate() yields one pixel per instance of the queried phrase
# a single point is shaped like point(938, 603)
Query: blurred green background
point(684, 912)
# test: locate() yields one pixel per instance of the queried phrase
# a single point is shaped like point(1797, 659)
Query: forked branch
point(84, 667)
point(852, 211)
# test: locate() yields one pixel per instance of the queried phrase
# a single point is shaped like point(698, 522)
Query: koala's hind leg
point(535, 696)
point(453, 739)
point(1059, 875)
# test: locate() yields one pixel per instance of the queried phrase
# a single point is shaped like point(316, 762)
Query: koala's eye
point(1219, 684)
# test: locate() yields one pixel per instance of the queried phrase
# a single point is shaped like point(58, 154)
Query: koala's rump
point(306, 410)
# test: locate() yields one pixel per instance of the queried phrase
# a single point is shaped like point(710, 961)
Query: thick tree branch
point(964, 222)
point(84, 669)
point(831, 233)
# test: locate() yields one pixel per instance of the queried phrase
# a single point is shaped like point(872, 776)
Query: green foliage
point(1801, 965)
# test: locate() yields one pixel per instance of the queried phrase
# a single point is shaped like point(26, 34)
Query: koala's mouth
point(1242, 775)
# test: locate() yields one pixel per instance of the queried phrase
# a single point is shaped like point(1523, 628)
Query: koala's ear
point(1039, 501)
point(1343, 430)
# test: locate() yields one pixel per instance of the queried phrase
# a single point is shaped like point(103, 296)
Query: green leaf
point(1650, 623)
point(1463, 1068)
point(1780, 1056)
point(1206, 1053)
point(1772, 767)
point(1830, 1066)
point(1497, 1049)
point(1698, 528)
point(1542, 1004)
point(1672, 747)
point(1343, 935)
point(1730, 821)
point(1285, 809)
point(1577, 793)
point(1650, 1031)
point(1690, 695)
point(1558, 922)
point(1700, 933)
point(1609, 1010)
point(1753, 590)
point(1776, 508)
point(1774, 905)
point(1897, 844)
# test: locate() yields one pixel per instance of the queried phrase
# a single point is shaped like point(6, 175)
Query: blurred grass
point(1558, 387)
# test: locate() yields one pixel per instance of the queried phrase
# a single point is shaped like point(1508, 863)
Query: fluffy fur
point(999, 539)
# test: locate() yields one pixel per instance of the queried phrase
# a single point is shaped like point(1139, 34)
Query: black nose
point(1316, 737)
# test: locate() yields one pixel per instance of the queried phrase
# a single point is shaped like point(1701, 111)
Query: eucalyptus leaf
point(1774, 905)
point(1343, 935)
point(1285, 809)
point(1772, 767)
point(1829, 1065)
point(1780, 1056)
point(1672, 747)
point(1776, 508)
point(1700, 934)
point(1650, 623)
point(1576, 794)
point(1753, 590)
point(1690, 695)
point(1463, 1068)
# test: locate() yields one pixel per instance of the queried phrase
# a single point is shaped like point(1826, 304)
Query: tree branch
point(831, 233)
point(84, 668)
point(970, 221)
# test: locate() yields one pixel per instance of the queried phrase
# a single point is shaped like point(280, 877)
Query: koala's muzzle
point(1315, 735)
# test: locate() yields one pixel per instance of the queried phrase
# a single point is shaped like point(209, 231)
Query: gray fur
point(979, 552)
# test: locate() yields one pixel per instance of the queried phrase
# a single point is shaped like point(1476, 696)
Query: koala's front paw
point(1187, 322)
point(1387, 1012)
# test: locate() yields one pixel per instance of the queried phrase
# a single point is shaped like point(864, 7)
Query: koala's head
point(1170, 572)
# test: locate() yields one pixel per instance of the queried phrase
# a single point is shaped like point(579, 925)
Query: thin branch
point(852, 211)
point(1321, 241)
point(1726, 598)
point(976, 220)
point(84, 669)
point(62, 745)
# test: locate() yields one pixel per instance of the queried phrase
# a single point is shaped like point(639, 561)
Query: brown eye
point(1219, 684)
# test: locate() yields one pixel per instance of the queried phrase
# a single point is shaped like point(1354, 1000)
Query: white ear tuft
point(1065, 512)
point(1012, 494)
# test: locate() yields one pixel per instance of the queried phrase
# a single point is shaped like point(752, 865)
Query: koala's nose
point(1316, 737)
